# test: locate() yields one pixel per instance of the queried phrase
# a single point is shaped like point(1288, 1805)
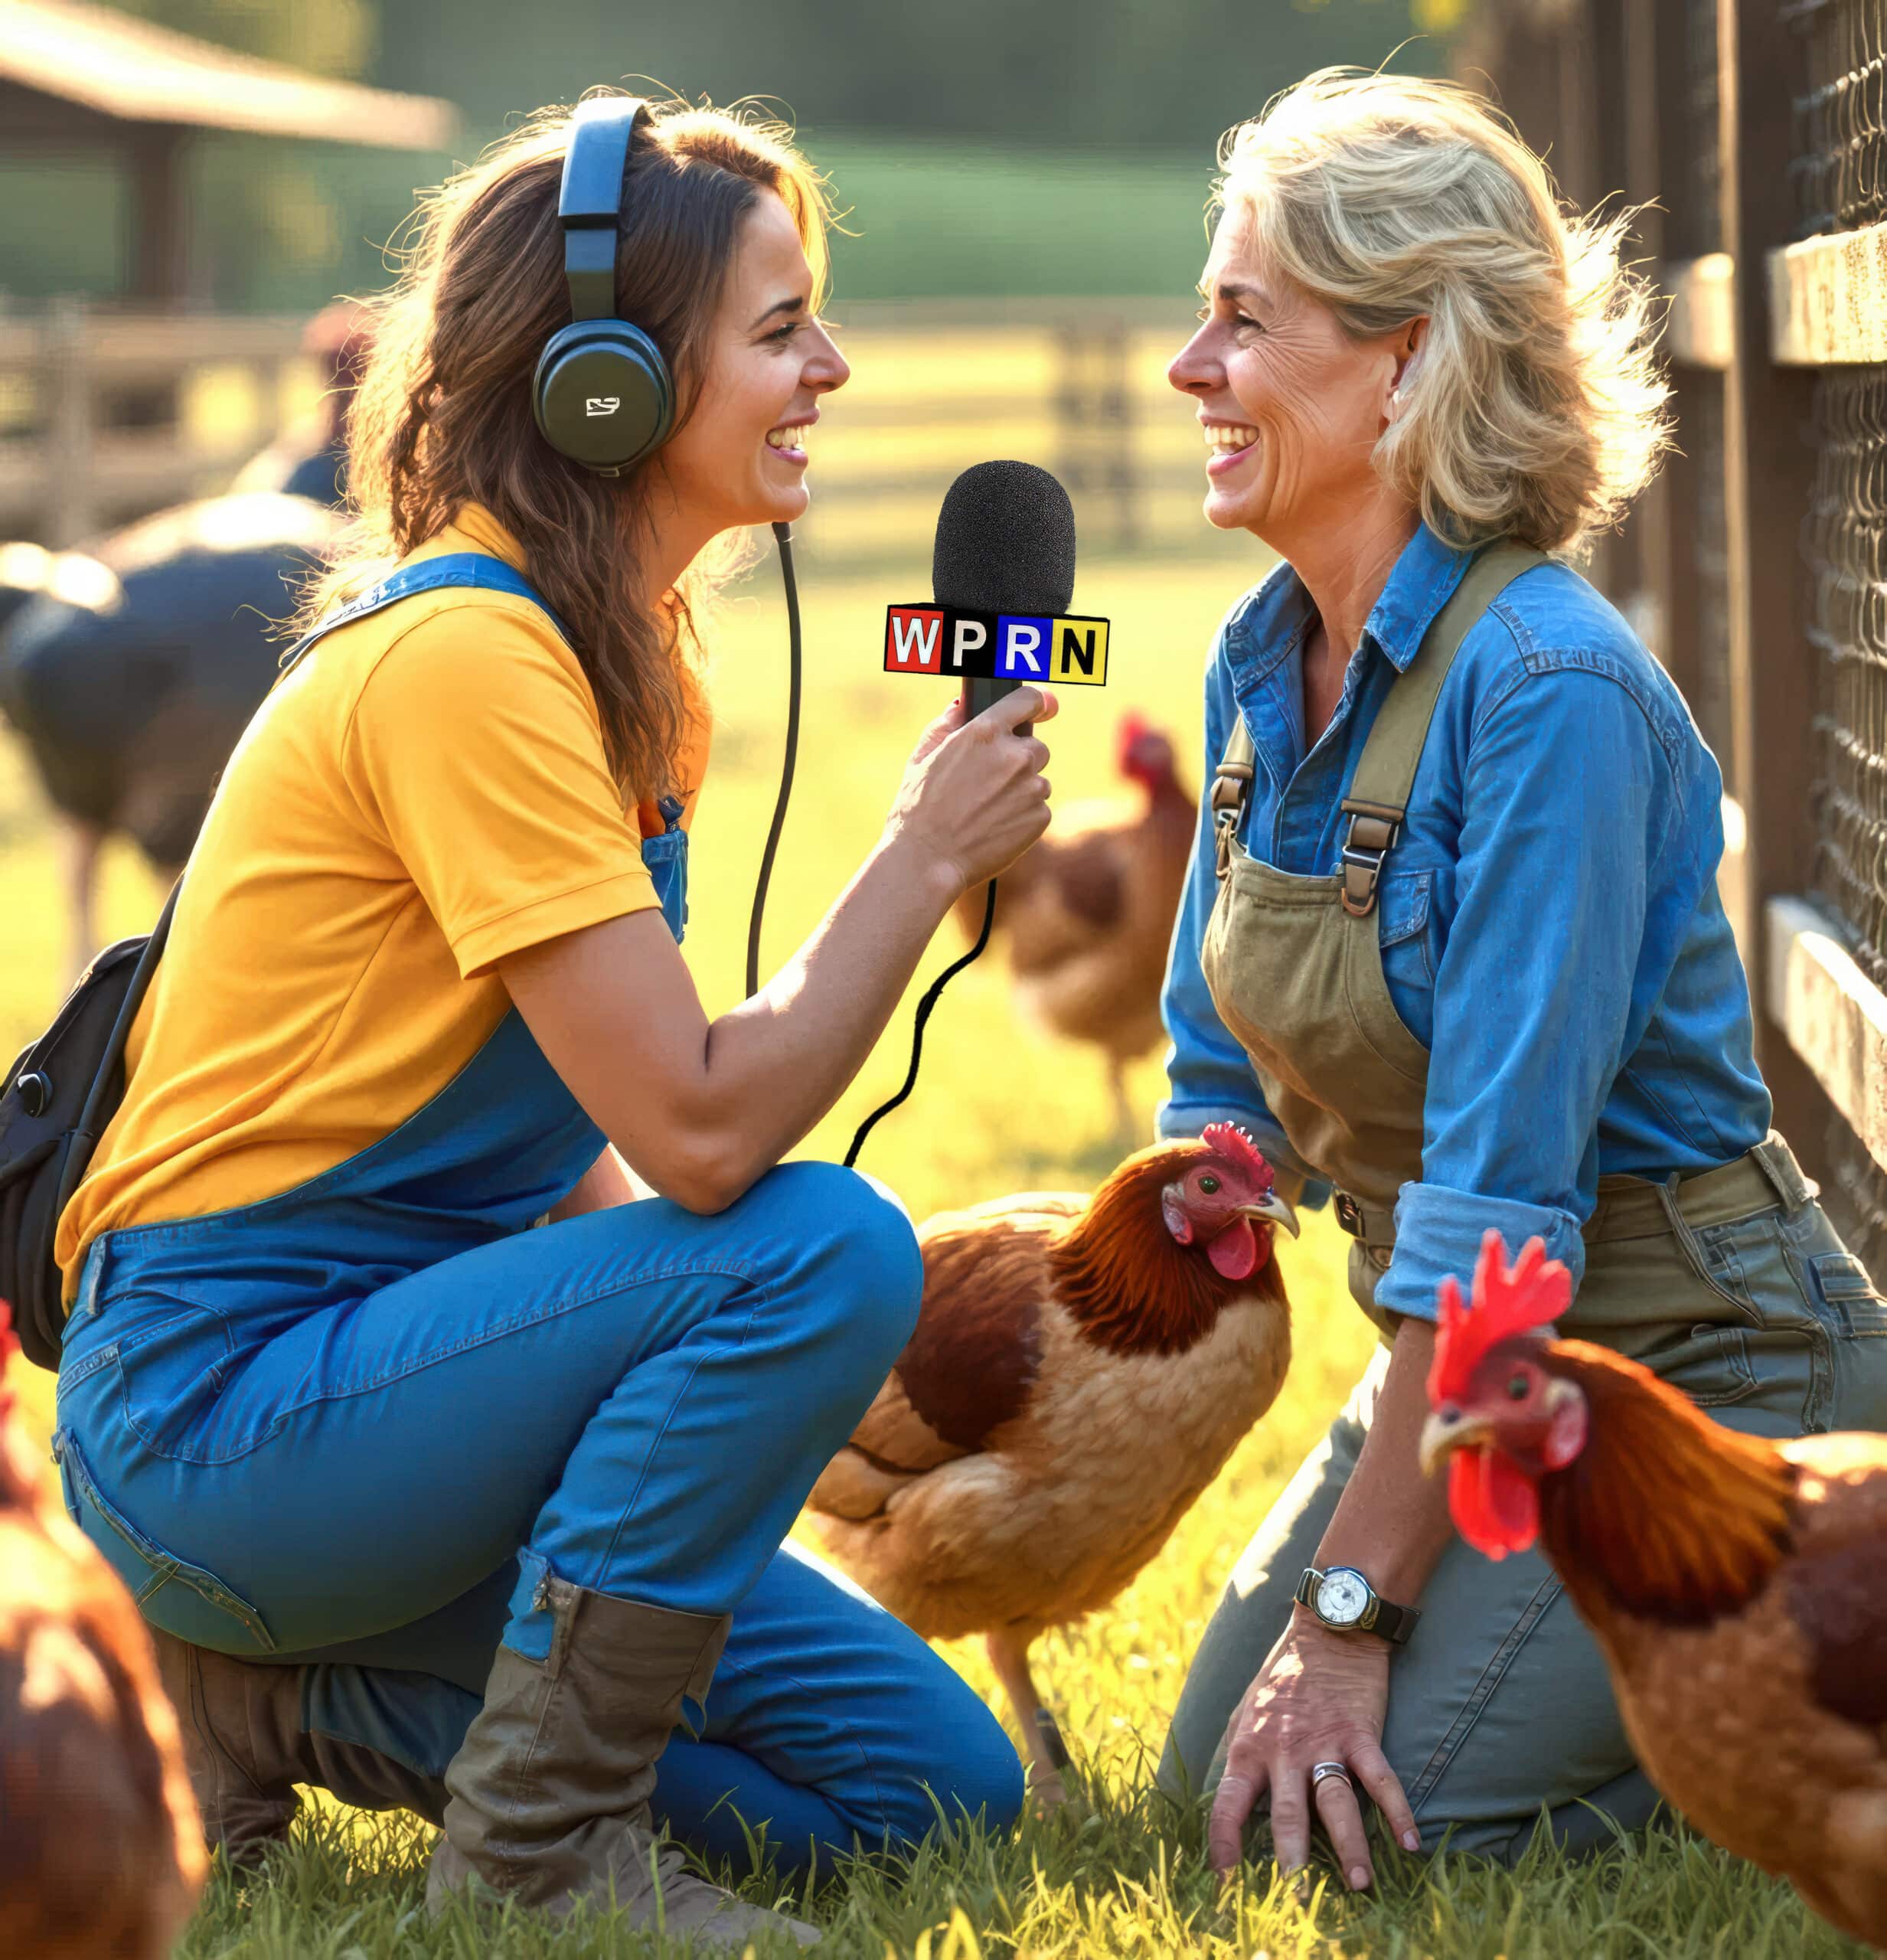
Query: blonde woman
point(427, 1506)
point(1452, 945)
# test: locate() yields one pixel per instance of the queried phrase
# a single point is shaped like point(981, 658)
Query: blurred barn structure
point(99, 438)
point(1757, 569)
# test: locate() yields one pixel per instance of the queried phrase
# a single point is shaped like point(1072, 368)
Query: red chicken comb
point(1232, 1144)
point(1508, 1300)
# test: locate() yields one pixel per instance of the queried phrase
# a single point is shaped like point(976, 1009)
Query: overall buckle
point(1374, 828)
point(1231, 790)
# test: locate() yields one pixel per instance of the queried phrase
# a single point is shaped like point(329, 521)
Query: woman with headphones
point(425, 1506)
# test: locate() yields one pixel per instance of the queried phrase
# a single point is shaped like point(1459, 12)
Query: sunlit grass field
point(998, 1108)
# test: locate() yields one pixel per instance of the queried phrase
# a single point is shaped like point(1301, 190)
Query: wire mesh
point(1841, 119)
point(1845, 543)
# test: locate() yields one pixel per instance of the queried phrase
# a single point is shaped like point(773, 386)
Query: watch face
point(1344, 1597)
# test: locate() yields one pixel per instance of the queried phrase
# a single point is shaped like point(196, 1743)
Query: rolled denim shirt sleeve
point(1209, 1075)
point(1568, 803)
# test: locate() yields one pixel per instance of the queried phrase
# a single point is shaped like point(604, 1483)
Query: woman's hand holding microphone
point(701, 1110)
point(974, 797)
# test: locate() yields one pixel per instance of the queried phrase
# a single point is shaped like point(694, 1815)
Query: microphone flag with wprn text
point(960, 642)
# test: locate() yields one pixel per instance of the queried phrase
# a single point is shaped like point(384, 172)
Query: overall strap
point(1385, 773)
point(1232, 787)
point(477, 569)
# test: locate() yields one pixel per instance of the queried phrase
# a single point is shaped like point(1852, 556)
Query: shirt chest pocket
point(1404, 899)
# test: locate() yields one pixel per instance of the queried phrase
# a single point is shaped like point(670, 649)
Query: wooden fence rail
point(95, 426)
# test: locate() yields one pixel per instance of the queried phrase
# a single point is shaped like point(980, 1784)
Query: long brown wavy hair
point(443, 414)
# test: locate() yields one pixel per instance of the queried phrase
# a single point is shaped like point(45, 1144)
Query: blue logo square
point(1024, 644)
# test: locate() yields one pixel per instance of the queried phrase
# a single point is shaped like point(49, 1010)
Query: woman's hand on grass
point(974, 797)
point(1320, 1697)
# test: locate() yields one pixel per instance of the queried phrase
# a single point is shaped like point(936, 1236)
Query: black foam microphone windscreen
point(1005, 542)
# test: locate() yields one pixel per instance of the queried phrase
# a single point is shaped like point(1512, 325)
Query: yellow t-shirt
point(423, 793)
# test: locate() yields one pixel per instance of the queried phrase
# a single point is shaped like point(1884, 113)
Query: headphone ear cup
point(603, 396)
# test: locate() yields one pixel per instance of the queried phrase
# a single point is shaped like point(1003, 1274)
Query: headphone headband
point(590, 203)
point(601, 394)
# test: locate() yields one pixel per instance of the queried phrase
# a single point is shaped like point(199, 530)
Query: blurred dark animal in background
point(101, 1849)
point(130, 669)
point(129, 672)
point(1088, 912)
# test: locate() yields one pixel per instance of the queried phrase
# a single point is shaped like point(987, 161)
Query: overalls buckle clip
point(1373, 830)
point(1231, 788)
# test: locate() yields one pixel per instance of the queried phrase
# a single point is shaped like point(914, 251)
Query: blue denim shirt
point(1550, 924)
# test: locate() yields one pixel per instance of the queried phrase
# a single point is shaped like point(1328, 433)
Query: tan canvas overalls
point(1730, 1283)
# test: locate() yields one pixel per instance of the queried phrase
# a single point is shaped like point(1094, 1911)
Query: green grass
point(1121, 1872)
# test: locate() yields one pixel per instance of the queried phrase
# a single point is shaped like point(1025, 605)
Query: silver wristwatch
point(1346, 1602)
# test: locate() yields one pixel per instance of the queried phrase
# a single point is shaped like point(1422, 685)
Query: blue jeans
point(291, 1449)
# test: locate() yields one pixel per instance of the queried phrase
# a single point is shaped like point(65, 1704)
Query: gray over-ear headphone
point(601, 394)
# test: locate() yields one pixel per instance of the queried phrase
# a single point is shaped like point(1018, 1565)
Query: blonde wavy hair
point(443, 418)
point(1535, 410)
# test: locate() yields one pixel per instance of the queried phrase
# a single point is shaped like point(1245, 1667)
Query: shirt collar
point(1421, 581)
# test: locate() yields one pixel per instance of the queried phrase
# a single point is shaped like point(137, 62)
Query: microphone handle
point(979, 694)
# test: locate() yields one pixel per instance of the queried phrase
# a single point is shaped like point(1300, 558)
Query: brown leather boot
point(246, 1750)
point(549, 1791)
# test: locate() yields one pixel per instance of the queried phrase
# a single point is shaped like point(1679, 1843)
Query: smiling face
point(1290, 405)
point(769, 361)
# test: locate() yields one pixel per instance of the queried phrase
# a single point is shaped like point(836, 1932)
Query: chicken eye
point(1208, 1183)
point(1517, 1388)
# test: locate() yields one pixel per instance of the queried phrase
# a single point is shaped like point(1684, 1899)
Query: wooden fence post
point(1769, 468)
point(66, 386)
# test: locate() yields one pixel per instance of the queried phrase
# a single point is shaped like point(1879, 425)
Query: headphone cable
point(932, 994)
point(783, 535)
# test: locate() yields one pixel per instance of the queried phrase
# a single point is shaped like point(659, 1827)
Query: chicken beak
point(1277, 1210)
point(1446, 1431)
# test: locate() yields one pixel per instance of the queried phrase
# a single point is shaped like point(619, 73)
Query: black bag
point(56, 1102)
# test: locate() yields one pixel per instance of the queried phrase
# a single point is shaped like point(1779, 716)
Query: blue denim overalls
point(356, 1425)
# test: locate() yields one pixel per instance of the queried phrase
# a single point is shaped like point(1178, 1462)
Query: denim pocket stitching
point(1729, 1345)
point(128, 1348)
point(1491, 1677)
point(164, 1566)
point(70, 1377)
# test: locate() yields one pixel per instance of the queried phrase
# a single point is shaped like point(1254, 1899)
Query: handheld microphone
point(1005, 545)
point(1004, 559)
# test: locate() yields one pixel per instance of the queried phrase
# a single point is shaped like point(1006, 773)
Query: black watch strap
point(1394, 1623)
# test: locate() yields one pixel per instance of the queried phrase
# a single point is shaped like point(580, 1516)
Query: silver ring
point(1320, 1770)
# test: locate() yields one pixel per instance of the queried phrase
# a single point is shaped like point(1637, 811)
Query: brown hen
point(101, 1854)
point(1087, 912)
point(1081, 1370)
point(1737, 1587)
